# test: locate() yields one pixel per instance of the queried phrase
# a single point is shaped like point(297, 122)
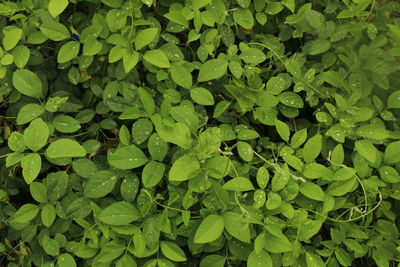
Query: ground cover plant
point(199, 133)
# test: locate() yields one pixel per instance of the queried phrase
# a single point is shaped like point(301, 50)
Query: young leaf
point(157, 58)
point(283, 130)
point(312, 148)
point(152, 174)
point(29, 112)
point(202, 96)
point(312, 191)
point(68, 51)
point(181, 76)
point(56, 7)
point(145, 37)
point(26, 213)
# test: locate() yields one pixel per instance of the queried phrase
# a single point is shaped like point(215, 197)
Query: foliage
point(199, 133)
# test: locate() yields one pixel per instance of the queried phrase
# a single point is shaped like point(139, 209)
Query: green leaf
point(129, 60)
point(312, 148)
point(157, 58)
point(319, 46)
point(16, 142)
point(237, 225)
point(92, 47)
point(394, 100)
point(54, 31)
point(262, 177)
point(212, 69)
point(65, 148)
point(367, 150)
point(283, 130)
point(213, 261)
point(392, 154)
point(21, 56)
point(277, 244)
point(66, 260)
point(56, 7)
point(100, 184)
point(48, 215)
point(31, 165)
point(27, 83)
point(202, 96)
point(172, 251)
point(36, 135)
point(372, 131)
point(124, 135)
point(184, 168)
point(245, 151)
point(315, 170)
point(12, 35)
point(152, 174)
point(238, 184)
point(181, 76)
point(259, 259)
point(147, 101)
point(210, 229)
point(145, 37)
point(291, 99)
point(126, 261)
point(113, 3)
point(119, 213)
point(29, 112)
point(341, 188)
point(244, 18)
point(312, 191)
point(298, 138)
point(175, 133)
point(66, 124)
point(26, 213)
point(50, 246)
point(252, 56)
point(157, 147)
point(313, 260)
point(127, 157)
point(38, 192)
point(68, 51)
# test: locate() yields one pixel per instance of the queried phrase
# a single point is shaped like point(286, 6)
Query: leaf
point(237, 225)
point(29, 112)
point(12, 35)
point(283, 130)
point(340, 188)
point(172, 251)
point(238, 184)
point(147, 100)
point(313, 260)
point(312, 191)
point(129, 60)
point(27, 83)
point(319, 46)
point(181, 76)
point(21, 56)
point(175, 133)
point(65, 148)
point(262, 177)
point(31, 165)
point(372, 131)
point(394, 100)
point(275, 244)
point(92, 47)
point(26, 213)
point(392, 154)
point(209, 229)
point(202, 96)
point(212, 69)
point(157, 147)
point(68, 51)
point(54, 31)
point(36, 135)
point(119, 213)
point(66, 124)
point(213, 261)
point(367, 150)
point(66, 260)
point(244, 18)
point(291, 99)
point(100, 184)
point(259, 259)
point(127, 157)
point(125, 261)
point(253, 56)
point(48, 215)
point(152, 174)
point(298, 138)
point(312, 148)
point(184, 168)
point(145, 37)
point(245, 151)
point(56, 7)
point(157, 58)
